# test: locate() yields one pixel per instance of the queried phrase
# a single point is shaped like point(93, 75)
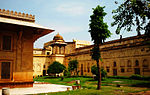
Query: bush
point(118, 77)
point(55, 67)
point(136, 77)
point(67, 73)
point(94, 71)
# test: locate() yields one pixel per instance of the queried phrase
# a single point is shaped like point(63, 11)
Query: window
point(44, 66)
point(115, 64)
point(136, 63)
point(6, 43)
point(48, 53)
point(107, 70)
point(122, 70)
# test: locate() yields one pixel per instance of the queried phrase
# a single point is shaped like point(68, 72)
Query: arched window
point(43, 66)
point(115, 64)
point(136, 63)
point(129, 63)
point(145, 63)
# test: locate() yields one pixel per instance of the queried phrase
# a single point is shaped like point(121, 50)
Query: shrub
point(67, 73)
point(136, 76)
point(55, 67)
point(94, 71)
point(118, 77)
point(72, 66)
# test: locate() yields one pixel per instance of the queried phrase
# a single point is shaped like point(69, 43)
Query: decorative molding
point(17, 15)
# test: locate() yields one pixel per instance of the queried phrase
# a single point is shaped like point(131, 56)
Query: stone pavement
point(37, 88)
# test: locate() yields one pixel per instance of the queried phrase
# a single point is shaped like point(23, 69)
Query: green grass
point(90, 83)
point(89, 86)
point(109, 90)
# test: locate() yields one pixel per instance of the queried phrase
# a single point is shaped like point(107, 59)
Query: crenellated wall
point(17, 15)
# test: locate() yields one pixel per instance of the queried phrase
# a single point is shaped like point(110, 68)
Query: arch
point(136, 63)
point(145, 63)
point(115, 64)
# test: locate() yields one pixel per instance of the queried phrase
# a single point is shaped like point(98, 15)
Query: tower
point(58, 48)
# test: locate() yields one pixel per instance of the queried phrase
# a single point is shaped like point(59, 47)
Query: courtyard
point(109, 86)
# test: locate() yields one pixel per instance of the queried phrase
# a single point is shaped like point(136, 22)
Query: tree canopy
point(73, 64)
point(56, 67)
point(133, 13)
point(98, 29)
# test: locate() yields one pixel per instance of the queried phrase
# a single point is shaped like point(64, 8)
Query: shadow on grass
point(141, 85)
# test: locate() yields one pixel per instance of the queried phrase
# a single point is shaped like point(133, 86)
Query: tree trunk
point(99, 75)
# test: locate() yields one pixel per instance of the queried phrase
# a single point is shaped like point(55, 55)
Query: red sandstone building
point(18, 32)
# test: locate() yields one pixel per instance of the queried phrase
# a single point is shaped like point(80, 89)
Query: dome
point(58, 38)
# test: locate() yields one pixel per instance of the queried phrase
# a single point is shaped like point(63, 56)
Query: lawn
point(89, 86)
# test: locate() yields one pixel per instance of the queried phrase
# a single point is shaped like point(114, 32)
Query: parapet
point(17, 15)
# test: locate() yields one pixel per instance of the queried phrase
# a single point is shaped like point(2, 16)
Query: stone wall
point(120, 52)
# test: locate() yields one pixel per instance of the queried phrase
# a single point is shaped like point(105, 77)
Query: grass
point(106, 90)
point(89, 85)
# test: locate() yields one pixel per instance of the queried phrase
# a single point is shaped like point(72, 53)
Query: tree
point(73, 65)
point(55, 68)
point(99, 32)
point(94, 71)
point(133, 13)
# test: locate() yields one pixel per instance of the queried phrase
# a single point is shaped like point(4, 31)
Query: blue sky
point(69, 18)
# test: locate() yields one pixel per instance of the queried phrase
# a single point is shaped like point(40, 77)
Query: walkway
point(37, 88)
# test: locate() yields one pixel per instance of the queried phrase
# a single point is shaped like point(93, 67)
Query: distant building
point(18, 32)
point(122, 57)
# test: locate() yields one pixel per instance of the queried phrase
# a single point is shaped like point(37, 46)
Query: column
point(64, 50)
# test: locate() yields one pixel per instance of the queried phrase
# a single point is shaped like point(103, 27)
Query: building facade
point(123, 57)
point(18, 32)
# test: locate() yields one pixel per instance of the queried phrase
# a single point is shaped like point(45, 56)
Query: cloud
point(72, 9)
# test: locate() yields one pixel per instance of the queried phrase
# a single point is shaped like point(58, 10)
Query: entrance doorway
point(137, 71)
point(44, 72)
point(5, 70)
point(81, 69)
point(114, 72)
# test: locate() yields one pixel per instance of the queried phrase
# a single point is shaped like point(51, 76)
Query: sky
point(69, 18)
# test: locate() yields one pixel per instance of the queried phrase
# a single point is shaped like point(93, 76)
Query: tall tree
point(133, 13)
point(73, 65)
point(99, 32)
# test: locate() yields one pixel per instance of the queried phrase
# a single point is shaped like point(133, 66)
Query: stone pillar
point(52, 49)
point(57, 49)
point(64, 50)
